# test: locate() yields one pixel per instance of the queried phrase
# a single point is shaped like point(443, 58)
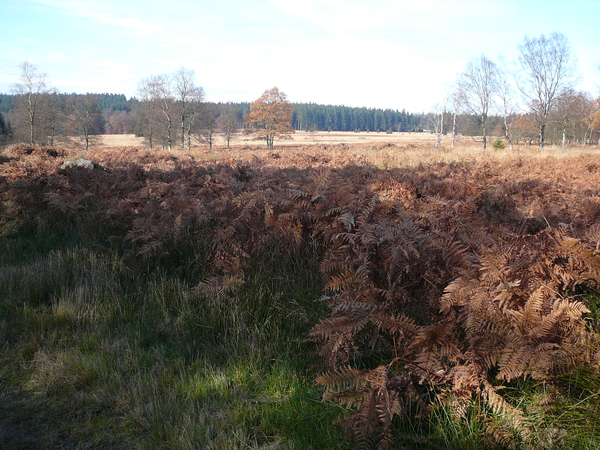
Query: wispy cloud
point(385, 53)
point(343, 16)
point(101, 12)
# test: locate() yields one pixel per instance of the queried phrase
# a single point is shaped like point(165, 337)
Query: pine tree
point(5, 132)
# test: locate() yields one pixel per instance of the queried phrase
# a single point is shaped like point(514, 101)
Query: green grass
point(96, 354)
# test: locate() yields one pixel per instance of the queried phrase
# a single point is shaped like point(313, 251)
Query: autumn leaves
point(270, 117)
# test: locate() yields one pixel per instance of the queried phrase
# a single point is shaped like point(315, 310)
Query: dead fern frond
point(341, 379)
point(513, 416)
point(375, 396)
point(345, 281)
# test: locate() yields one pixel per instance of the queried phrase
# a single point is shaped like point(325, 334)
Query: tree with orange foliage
point(270, 117)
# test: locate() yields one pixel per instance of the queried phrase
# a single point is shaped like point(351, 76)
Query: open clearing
point(379, 149)
point(299, 137)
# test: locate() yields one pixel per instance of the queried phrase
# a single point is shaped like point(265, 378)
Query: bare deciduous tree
point(436, 120)
point(228, 122)
point(456, 101)
point(479, 85)
point(571, 116)
point(162, 93)
point(52, 117)
point(507, 106)
point(159, 113)
point(29, 91)
point(205, 125)
point(525, 129)
point(119, 122)
point(547, 70)
point(189, 99)
point(595, 119)
point(84, 117)
point(171, 104)
point(149, 109)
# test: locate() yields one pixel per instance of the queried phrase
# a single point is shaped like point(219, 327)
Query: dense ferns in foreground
point(444, 282)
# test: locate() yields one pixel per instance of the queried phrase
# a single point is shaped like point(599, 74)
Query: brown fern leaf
point(342, 379)
point(465, 381)
point(593, 236)
point(365, 213)
point(217, 287)
point(512, 415)
point(345, 281)
point(374, 393)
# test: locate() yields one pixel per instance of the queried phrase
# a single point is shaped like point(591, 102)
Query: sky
point(395, 54)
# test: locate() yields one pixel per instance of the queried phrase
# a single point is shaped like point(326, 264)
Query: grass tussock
point(170, 300)
point(122, 360)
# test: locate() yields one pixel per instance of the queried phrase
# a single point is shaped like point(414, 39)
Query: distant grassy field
point(191, 300)
point(299, 137)
point(380, 149)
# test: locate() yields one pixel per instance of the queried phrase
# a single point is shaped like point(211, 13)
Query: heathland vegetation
point(407, 294)
point(443, 299)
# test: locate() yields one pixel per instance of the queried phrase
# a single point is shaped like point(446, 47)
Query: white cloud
point(381, 53)
point(102, 12)
point(333, 15)
point(355, 16)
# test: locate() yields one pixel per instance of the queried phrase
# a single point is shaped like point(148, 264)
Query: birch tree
point(162, 92)
point(171, 105)
point(571, 116)
point(436, 120)
point(189, 98)
point(149, 109)
point(456, 101)
point(52, 116)
point(507, 106)
point(479, 84)
point(159, 113)
point(32, 86)
point(548, 70)
point(205, 125)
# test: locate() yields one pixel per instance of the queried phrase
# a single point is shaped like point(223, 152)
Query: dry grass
point(144, 346)
point(121, 140)
point(381, 149)
point(384, 155)
point(299, 137)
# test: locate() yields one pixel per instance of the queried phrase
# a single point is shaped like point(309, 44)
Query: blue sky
point(378, 53)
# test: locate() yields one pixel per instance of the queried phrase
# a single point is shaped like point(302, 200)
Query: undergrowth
point(159, 301)
point(102, 356)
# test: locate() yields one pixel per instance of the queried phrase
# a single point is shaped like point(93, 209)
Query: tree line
point(47, 116)
point(314, 117)
point(116, 114)
point(318, 117)
point(536, 101)
point(168, 110)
